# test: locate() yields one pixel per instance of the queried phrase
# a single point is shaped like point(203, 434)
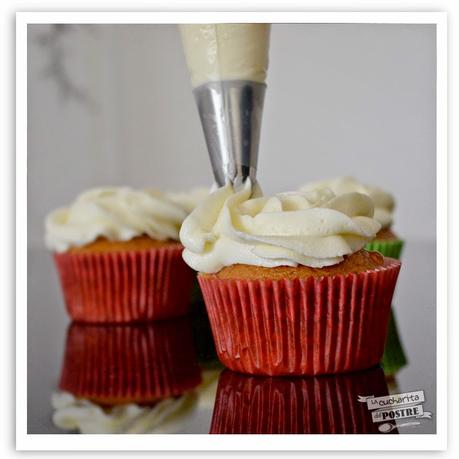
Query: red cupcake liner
point(125, 286)
point(311, 405)
point(308, 326)
point(118, 364)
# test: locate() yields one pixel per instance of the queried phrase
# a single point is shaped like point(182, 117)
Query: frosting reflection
point(84, 416)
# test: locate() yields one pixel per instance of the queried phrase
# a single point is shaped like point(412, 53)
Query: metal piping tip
point(231, 113)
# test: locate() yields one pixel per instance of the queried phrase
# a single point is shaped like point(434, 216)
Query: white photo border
point(180, 442)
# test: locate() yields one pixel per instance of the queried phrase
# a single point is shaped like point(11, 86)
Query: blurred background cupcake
point(308, 405)
point(118, 255)
point(288, 287)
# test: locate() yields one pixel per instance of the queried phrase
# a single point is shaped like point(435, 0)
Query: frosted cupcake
point(287, 285)
point(118, 254)
point(386, 241)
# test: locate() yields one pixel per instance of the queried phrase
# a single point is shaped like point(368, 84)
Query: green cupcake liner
point(394, 357)
point(388, 248)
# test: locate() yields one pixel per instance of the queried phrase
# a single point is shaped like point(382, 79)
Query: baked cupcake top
point(383, 201)
point(115, 213)
point(314, 229)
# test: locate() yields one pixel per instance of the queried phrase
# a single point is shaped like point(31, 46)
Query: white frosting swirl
point(117, 213)
point(384, 202)
point(314, 229)
point(166, 416)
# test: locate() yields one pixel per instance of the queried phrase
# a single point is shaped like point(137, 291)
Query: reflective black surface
point(164, 377)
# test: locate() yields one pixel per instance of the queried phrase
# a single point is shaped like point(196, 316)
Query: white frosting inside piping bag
point(217, 52)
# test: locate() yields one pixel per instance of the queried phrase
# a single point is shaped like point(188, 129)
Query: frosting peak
point(314, 229)
point(384, 202)
point(117, 213)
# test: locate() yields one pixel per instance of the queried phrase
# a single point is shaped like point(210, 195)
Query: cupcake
point(386, 241)
point(130, 363)
point(308, 405)
point(119, 257)
point(287, 285)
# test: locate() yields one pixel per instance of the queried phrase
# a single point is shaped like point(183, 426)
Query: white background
point(112, 104)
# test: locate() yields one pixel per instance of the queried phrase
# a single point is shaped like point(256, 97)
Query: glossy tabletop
point(164, 377)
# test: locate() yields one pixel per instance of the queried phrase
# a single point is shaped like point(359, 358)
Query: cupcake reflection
point(306, 405)
point(127, 378)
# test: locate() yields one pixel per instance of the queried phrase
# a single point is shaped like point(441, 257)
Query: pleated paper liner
point(291, 405)
point(125, 286)
point(389, 248)
point(394, 357)
point(117, 364)
point(308, 326)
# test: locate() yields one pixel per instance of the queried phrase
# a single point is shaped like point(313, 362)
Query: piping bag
point(228, 65)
